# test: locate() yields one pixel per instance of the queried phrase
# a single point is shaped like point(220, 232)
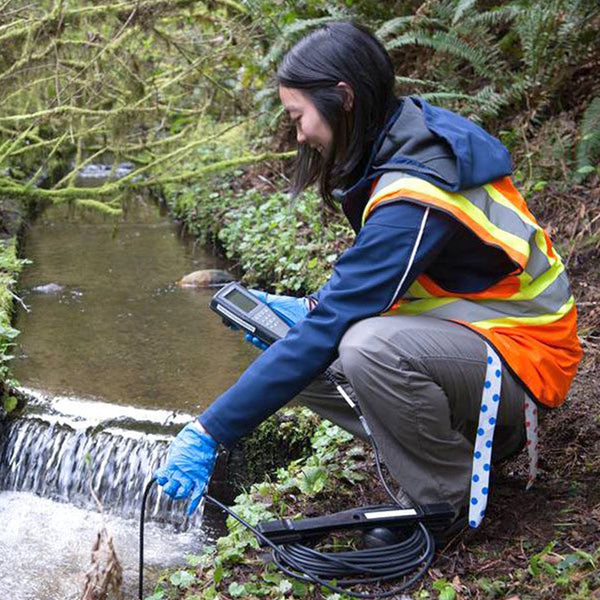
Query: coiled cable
point(370, 566)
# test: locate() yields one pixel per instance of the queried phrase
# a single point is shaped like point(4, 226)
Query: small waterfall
point(49, 457)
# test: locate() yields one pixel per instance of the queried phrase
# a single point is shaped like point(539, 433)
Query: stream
point(115, 358)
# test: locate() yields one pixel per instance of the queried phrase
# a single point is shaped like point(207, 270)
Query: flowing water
point(115, 358)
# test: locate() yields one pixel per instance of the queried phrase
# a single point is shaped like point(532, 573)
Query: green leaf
point(448, 593)
point(312, 480)
point(299, 588)
point(272, 577)
point(10, 403)
point(193, 560)
point(8, 332)
point(445, 589)
point(210, 593)
point(586, 169)
point(218, 574)
point(539, 186)
point(182, 579)
point(236, 589)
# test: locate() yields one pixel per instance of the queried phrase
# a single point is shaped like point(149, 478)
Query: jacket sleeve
point(396, 244)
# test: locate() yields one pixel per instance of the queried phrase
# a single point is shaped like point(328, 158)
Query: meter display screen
point(241, 301)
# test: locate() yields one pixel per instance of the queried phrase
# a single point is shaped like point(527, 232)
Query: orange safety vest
point(529, 316)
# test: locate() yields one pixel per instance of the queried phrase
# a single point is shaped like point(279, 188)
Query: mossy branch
point(109, 189)
point(222, 165)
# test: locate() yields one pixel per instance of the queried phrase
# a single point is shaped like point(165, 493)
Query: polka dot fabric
point(482, 457)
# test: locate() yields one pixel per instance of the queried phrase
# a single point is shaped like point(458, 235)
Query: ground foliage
point(526, 71)
point(10, 267)
point(184, 90)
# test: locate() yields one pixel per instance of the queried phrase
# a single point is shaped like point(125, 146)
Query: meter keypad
point(268, 319)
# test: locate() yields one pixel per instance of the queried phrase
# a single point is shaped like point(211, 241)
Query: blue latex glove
point(289, 308)
point(190, 464)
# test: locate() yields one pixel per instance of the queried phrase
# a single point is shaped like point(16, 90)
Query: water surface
point(120, 330)
point(116, 359)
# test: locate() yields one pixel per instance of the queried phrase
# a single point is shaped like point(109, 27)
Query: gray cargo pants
point(418, 382)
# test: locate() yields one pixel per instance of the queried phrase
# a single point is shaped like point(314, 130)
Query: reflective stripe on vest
point(529, 316)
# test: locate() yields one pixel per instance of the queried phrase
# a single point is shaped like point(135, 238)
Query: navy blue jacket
point(421, 140)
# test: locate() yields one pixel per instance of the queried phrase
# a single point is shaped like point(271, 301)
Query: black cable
point(142, 517)
point(395, 559)
point(307, 564)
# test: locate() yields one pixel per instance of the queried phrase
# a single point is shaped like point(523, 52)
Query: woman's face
point(311, 128)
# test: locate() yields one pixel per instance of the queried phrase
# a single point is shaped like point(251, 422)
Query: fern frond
point(495, 17)
point(418, 82)
point(447, 43)
point(289, 35)
point(394, 26)
point(588, 148)
point(445, 96)
point(462, 7)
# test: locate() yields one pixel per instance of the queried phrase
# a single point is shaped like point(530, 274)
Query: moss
point(283, 437)
point(10, 265)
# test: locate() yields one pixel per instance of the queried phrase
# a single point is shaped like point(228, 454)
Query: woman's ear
point(348, 95)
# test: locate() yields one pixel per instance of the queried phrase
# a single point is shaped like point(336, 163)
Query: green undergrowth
point(278, 243)
point(234, 567)
point(338, 473)
point(10, 265)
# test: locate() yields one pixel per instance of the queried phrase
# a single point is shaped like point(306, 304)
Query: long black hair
point(348, 52)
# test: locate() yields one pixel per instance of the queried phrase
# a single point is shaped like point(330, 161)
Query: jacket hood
point(434, 144)
point(441, 146)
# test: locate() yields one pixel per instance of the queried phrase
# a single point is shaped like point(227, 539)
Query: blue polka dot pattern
point(482, 455)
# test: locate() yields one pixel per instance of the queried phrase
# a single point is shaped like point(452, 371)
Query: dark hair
point(340, 51)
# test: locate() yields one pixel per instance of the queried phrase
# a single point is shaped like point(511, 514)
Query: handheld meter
point(238, 307)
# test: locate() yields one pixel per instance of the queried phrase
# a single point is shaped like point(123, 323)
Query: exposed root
point(105, 573)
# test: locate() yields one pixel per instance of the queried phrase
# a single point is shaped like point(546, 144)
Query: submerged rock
point(48, 288)
point(205, 278)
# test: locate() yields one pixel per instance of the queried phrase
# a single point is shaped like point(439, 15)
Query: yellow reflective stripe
point(418, 291)
point(462, 203)
point(416, 307)
point(540, 239)
point(520, 321)
point(525, 279)
point(540, 242)
point(498, 197)
point(535, 288)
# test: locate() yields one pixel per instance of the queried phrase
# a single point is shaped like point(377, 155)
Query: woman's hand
point(289, 308)
point(190, 463)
